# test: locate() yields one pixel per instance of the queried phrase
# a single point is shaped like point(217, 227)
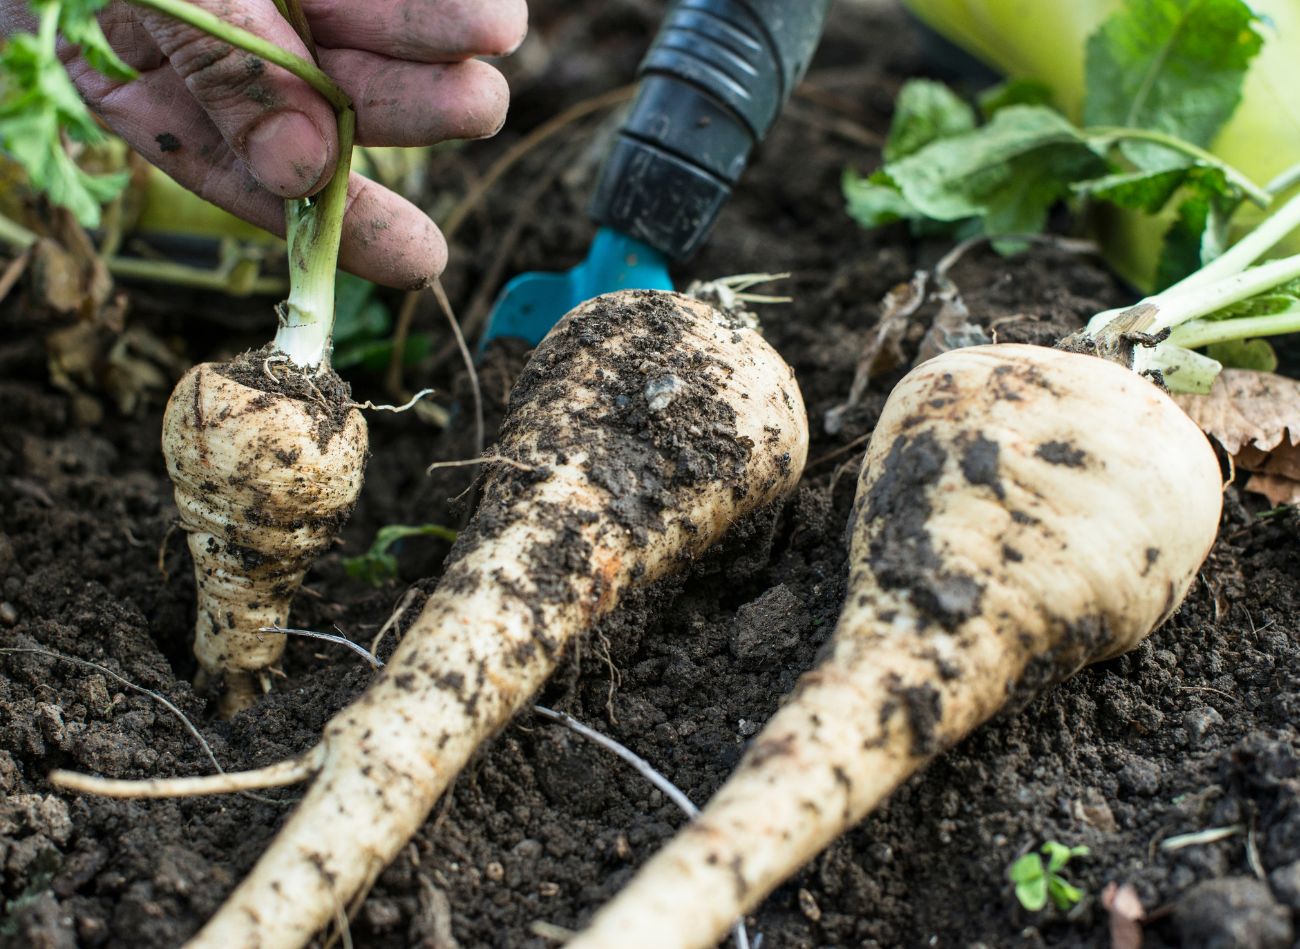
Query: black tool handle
point(711, 86)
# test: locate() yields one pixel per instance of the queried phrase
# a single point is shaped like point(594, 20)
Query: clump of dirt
point(323, 394)
point(1194, 730)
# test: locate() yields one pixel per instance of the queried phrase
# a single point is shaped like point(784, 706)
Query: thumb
point(283, 131)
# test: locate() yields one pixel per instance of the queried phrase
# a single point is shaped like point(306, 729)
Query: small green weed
point(363, 329)
point(1036, 881)
point(378, 565)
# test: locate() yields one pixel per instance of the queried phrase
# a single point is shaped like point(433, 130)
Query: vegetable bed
point(1194, 731)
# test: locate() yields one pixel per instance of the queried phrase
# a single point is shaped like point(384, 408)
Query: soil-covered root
point(1021, 512)
point(263, 479)
point(641, 429)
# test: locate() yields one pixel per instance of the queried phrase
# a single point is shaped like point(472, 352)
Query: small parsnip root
point(264, 478)
point(644, 426)
point(1022, 512)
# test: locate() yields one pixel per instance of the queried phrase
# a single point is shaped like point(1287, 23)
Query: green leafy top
point(378, 565)
point(38, 103)
point(1037, 880)
point(1162, 78)
point(1175, 66)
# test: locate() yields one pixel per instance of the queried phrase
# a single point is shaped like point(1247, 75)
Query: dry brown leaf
point(884, 349)
point(1124, 905)
point(1255, 416)
point(1277, 489)
point(1247, 407)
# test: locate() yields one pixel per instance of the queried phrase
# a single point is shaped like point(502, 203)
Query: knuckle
point(215, 71)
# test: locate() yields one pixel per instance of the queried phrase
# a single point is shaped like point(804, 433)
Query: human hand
point(245, 134)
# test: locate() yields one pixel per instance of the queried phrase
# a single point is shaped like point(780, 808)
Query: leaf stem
point(1186, 306)
point(1197, 333)
point(314, 225)
point(1285, 180)
point(49, 26)
point(1109, 134)
point(1245, 252)
point(307, 71)
point(314, 228)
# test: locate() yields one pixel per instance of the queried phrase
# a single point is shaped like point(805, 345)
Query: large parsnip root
point(1021, 512)
point(263, 479)
point(641, 429)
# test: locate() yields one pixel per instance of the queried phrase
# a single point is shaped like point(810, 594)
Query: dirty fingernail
point(286, 153)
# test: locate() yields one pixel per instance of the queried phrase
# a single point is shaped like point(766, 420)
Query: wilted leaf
point(1277, 489)
point(925, 111)
point(1255, 416)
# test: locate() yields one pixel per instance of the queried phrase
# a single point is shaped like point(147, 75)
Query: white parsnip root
point(1021, 512)
point(644, 425)
point(263, 481)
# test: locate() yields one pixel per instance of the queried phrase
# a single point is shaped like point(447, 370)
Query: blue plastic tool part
point(532, 303)
point(711, 86)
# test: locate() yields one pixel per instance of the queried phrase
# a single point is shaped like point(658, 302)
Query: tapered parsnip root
point(263, 479)
point(647, 424)
point(1021, 512)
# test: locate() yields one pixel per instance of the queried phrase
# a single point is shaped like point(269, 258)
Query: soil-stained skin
point(1196, 728)
point(940, 629)
point(644, 426)
point(267, 464)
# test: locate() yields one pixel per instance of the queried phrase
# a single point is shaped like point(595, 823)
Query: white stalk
point(315, 229)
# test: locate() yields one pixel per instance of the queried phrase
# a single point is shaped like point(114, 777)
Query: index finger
point(273, 120)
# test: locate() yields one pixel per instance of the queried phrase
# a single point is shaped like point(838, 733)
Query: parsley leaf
point(926, 110)
point(1174, 66)
point(38, 103)
point(78, 25)
point(1163, 76)
point(1007, 173)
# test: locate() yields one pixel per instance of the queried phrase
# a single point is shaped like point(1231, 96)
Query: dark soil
point(1193, 731)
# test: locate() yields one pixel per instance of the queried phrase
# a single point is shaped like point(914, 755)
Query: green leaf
point(38, 103)
point(358, 315)
point(1194, 237)
point(875, 201)
point(1032, 894)
point(1176, 66)
point(377, 565)
point(1009, 171)
point(1058, 855)
point(1026, 869)
point(1038, 180)
point(1063, 894)
point(1283, 298)
point(372, 569)
point(375, 355)
point(1244, 354)
point(1146, 191)
point(925, 111)
point(1014, 92)
point(78, 25)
